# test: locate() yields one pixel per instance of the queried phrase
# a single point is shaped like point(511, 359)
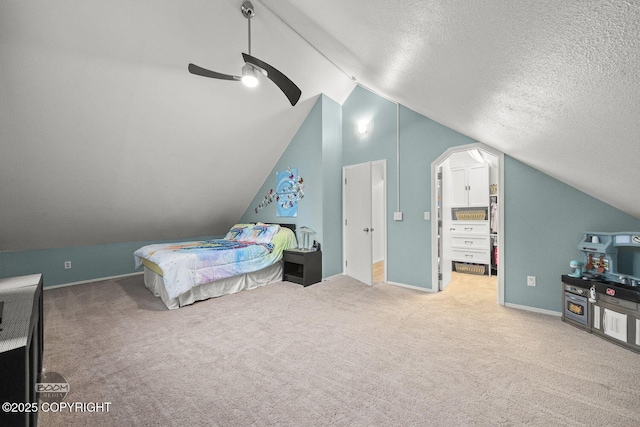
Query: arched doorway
point(477, 153)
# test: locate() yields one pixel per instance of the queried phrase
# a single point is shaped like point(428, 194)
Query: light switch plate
point(397, 216)
point(427, 216)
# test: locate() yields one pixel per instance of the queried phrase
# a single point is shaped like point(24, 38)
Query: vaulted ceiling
point(554, 84)
point(105, 137)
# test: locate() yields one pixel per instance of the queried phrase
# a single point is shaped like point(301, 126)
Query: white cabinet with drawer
point(470, 255)
point(470, 242)
point(480, 228)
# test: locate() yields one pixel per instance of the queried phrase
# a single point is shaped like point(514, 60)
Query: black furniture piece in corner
point(21, 346)
point(303, 267)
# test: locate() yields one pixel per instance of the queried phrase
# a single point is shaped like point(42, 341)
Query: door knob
point(366, 230)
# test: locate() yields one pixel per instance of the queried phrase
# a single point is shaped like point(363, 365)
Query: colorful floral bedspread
point(188, 264)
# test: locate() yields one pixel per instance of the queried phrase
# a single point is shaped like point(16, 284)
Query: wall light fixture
point(362, 127)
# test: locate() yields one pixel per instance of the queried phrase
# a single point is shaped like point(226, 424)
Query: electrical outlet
point(531, 280)
point(397, 216)
point(67, 265)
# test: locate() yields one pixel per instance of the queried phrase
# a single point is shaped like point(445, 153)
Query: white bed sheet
point(229, 285)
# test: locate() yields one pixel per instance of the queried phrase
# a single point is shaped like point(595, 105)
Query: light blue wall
point(378, 143)
point(316, 150)
point(421, 141)
point(304, 153)
point(544, 218)
point(544, 223)
point(331, 187)
point(87, 262)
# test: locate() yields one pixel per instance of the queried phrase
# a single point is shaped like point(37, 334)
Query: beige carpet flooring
point(337, 353)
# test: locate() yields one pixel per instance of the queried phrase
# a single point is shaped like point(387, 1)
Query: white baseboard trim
point(417, 288)
point(99, 279)
point(533, 309)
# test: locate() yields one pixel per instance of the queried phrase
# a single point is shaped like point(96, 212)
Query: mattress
point(152, 266)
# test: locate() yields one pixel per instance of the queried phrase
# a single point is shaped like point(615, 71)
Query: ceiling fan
point(252, 66)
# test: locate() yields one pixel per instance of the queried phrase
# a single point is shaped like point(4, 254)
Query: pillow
point(261, 233)
point(255, 233)
point(285, 239)
point(238, 231)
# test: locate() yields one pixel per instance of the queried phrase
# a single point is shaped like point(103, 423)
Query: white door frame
point(382, 162)
point(434, 222)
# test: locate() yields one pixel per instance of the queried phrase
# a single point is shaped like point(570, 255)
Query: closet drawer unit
point(469, 227)
point(470, 242)
point(469, 255)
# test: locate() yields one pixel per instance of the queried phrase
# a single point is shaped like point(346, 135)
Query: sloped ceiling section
point(554, 84)
point(104, 135)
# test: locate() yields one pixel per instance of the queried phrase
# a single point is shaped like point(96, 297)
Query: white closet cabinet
point(470, 186)
point(470, 242)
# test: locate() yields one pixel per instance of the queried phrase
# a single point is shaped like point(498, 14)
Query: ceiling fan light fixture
point(249, 77)
point(252, 66)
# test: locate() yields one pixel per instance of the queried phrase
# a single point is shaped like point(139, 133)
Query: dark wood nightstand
point(303, 267)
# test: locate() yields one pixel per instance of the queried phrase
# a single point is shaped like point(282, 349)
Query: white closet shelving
point(470, 231)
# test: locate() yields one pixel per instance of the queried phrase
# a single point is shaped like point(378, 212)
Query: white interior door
point(358, 222)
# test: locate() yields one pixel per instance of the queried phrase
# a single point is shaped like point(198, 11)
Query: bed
point(249, 256)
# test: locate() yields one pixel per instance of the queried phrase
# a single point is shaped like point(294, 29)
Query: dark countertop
point(615, 289)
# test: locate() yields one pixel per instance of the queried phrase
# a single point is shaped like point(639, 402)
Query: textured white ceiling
point(554, 84)
point(105, 137)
